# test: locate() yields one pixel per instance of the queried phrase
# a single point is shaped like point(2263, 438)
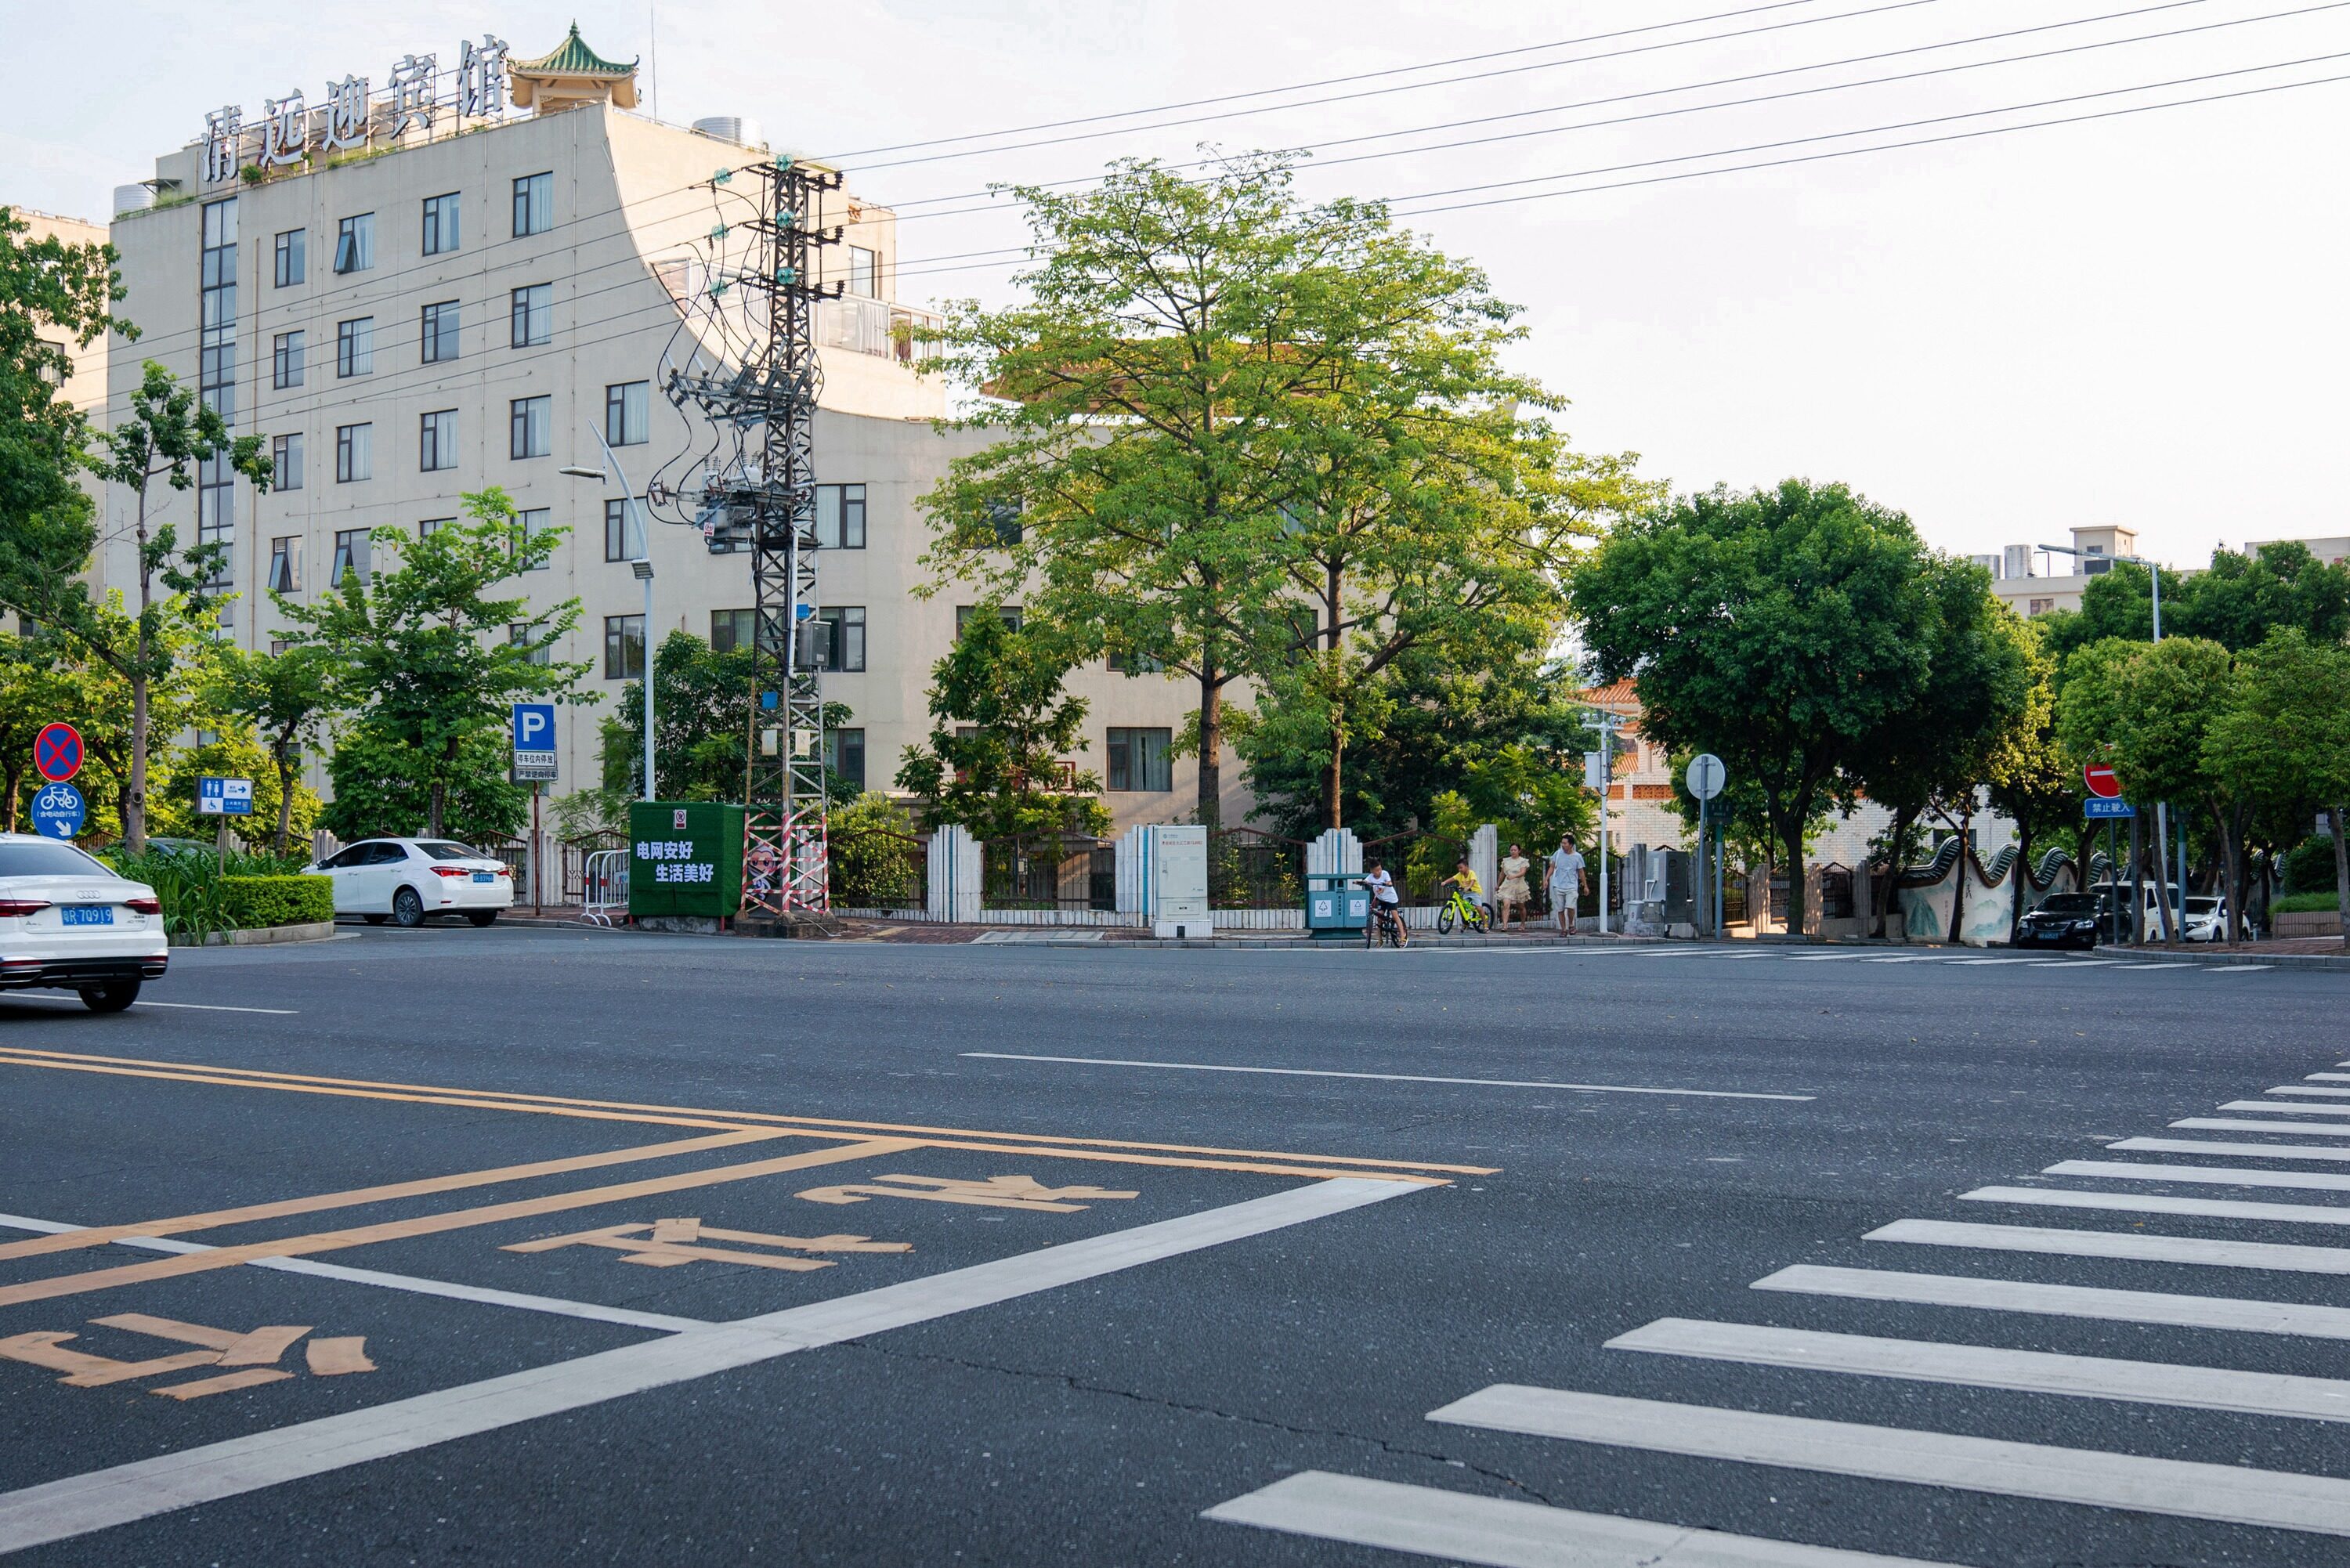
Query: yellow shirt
point(1466, 881)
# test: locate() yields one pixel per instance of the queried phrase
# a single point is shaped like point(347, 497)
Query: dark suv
point(2062, 920)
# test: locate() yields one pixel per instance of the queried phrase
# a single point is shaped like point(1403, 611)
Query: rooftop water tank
point(132, 199)
point(740, 129)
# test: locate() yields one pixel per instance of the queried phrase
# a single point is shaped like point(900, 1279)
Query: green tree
point(1215, 398)
point(230, 746)
point(2285, 740)
point(48, 290)
point(1788, 631)
point(2029, 777)
point(166, 434)
point(2241, 598)
point(286, 701)
point(1002, 726)
point(434, 658)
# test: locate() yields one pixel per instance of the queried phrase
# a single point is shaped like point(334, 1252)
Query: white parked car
point(408, 881)
point(68, 923)
point(2207, 919)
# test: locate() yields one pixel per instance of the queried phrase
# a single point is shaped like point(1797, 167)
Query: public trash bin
point(1336, 903)
point(685, 858)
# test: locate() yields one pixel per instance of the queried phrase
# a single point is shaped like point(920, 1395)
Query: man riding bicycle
point(1387, 905)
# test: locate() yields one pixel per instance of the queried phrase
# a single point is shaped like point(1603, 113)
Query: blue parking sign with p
point(533, 726)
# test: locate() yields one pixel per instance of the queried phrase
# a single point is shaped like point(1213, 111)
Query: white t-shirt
point(1566, 868)
point(1382, 886)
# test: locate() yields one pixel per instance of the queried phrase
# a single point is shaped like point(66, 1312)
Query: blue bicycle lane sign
point(58, 810)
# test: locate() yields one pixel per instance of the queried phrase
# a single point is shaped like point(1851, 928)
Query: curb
point(2213, 952)
point(263, 936)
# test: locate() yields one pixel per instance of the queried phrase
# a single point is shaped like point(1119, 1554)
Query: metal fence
point(1048, 873)
point(574, 859)
point(1418, 861)
point(1835, 892)
point(876, 868)
point(1248, 869)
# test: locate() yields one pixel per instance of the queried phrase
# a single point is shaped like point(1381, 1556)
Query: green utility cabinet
point(685, 858)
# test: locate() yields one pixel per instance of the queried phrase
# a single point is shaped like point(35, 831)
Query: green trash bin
point(1336, 903)
point(685, 858)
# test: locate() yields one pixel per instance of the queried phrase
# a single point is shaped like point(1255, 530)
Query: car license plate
point(486, 876)
point(87, 914)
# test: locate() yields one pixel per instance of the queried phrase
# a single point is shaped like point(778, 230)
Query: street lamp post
point(642, 565)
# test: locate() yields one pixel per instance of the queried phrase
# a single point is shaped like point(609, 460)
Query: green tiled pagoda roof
point(574, 58)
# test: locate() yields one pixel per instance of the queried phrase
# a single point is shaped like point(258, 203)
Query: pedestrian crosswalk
point(2118, 1225)
point(1960, 957)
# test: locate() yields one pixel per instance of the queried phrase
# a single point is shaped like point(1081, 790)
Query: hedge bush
point(2304, 904)
point(2309, 867)
point(254, 902)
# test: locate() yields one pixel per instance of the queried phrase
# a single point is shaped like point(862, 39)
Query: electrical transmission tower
point(762, 497)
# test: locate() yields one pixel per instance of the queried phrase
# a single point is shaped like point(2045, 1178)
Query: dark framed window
point(624, 648)
point(1124, 662)
point(436, 446)
point(523, 631)
point(428, 526)
point(354, 455)
point(293, 257)
point(216, 381)
point(534, 205)
point(864, 272)
point(534, 315)
point(350, 556)
point(286, 565)
point(440, 334)
point(528, 426)
point(441, 227)
point(355, 243)
point(840, 517)
point(1140, 760)
point(285, 463)
point(628, 413)
point(844, 755)
point(1003, 518)
point(535, 521)
point(624, 534)
point(285, 360)
point(846, 623)
point(355, 347)
point(1008, 614)
point(730, 630)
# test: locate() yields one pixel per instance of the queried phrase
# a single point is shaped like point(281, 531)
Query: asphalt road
point(515, 1247)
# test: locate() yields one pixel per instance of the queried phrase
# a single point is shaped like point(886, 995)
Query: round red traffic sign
point(2100, 779)
point(56, 753)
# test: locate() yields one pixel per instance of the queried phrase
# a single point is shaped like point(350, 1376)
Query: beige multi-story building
point(2025, 577)
point(85, 387)
point(410, 306)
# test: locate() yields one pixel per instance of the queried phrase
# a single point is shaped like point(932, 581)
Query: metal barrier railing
point(604, 887)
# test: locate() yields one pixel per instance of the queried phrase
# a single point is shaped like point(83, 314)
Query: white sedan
point(68, 923)
point(406, 881)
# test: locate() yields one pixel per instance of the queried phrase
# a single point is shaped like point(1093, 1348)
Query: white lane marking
point(2232, 1493)
point(2073, 964)
point(1502, 1533)
point(1912, 958)
point(2286, 1108)
point(2240, 967)
point(2243, 1316)
point(2305, 1089)
point(2235, 1124)
point(2236, 1150)
point(415, 1285)
point(1980, 1366)
point(1821, 958)
point(2135, 1246)
point(1384, 1078)
point(2150, 1203)
point(209, 1007)
point(61, 1510)
point(2328, 1078)
point(1975, 962)
point(2214, 1175)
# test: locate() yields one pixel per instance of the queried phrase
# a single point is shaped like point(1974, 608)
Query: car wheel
point(112, 997)
point(375, 919)
point(407, 909)
point(481, 917)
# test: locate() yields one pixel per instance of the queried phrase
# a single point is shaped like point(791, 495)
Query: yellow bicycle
point(1461, 908)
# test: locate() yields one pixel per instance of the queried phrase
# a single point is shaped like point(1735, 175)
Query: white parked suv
point(407, 880)
point(68, 923)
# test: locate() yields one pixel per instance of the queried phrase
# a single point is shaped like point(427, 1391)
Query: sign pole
point(537, 846)
point(1701, 901)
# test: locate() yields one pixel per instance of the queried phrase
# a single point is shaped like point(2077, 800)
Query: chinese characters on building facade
point(291, 131)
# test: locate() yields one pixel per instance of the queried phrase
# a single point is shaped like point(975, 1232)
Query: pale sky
point(2138, 319)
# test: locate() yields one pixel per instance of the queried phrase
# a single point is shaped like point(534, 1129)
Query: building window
point(1138, 760)
point(534, 205)
point(844, 639)
point(1122, 662)
point(355, 243)
point(730, 629)
point(285, 463)
point(624, 535)
point(535, 521)
point(626, 413)
point(523, 631)
point(293, 257)
point(840, 517)
point(534, 315)
point(439, 224)
point(529, 423)
point(2039, 607)
point(1003, 519)
point(844, 755)
point(216, 315)
point(350, 555)
point(624, 648)
point(285, 360)
point(436, 445)
point(1010, 614)
point(355, 347)
point(286, 565)
point(354, 453)
point(863, 273)
point(440, 335)
point(428, 526)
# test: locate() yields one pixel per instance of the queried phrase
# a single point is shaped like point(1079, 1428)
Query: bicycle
point(1387, 921)
point(1463, 910)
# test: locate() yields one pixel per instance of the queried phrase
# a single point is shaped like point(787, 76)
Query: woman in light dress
point(1512, 894)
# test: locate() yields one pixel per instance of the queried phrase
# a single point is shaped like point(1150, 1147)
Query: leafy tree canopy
point(1002, 727)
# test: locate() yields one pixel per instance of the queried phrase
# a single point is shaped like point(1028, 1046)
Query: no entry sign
point(2100, 779)
point(56, 753)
